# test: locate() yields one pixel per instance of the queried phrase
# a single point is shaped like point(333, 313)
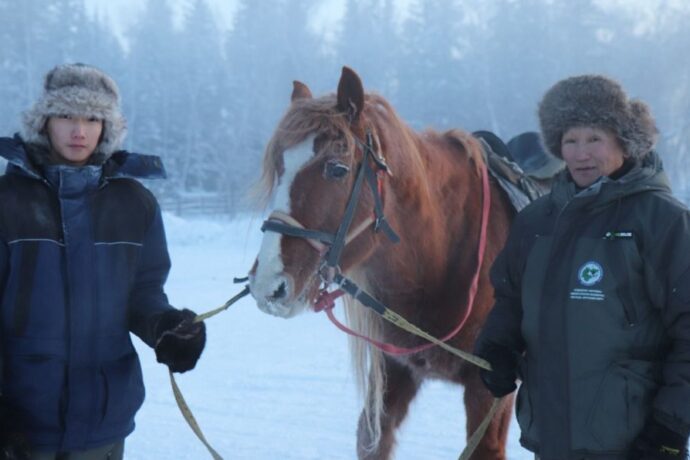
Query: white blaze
point(268, 276)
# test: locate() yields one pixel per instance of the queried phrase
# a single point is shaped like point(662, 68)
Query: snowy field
point(269, 388)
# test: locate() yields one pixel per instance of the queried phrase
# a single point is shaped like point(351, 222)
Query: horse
point(427, 192)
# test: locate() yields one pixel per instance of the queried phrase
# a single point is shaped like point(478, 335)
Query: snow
point(265, 387)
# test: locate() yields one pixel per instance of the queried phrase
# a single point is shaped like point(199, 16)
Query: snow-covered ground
point(269, 388)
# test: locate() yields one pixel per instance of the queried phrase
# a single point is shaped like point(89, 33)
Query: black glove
point(180, 340)
point(13, 446)
point(656, 442)
point(501, 380)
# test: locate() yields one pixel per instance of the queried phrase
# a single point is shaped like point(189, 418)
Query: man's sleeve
point(148, 299)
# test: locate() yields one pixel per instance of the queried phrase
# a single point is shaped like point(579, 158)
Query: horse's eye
point(336, 170)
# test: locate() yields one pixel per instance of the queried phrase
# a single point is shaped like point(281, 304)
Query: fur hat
point(598, 101)
point(79, 90)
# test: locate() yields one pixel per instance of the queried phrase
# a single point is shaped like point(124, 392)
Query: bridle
point(331, 245)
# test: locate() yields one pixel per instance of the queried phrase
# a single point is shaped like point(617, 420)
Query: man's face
point(591, 153)
point(74, 139)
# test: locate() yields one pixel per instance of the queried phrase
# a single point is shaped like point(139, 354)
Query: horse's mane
point(320, 115)
point(303, 117)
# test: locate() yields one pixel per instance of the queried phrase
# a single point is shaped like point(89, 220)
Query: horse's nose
point(273, 289)
point(280, 292)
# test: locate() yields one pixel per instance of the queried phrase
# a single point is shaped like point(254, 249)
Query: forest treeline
point(206, 97)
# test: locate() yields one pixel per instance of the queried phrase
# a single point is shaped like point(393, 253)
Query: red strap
point(326, 300)
point(395, 350)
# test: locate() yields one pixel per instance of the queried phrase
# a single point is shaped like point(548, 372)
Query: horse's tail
point(367, 363)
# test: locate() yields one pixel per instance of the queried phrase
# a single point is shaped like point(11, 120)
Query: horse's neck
point(435, 218)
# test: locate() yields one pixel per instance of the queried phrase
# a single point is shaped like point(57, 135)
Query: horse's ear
point(350, 94)
point(300, 91)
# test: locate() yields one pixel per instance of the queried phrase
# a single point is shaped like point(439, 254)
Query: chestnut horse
point(431, 195)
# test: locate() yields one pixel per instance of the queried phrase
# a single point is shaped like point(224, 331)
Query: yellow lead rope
point(389, 315)
point(477, 436)
point(181, 403)
point(409, 327)
point(189, 417)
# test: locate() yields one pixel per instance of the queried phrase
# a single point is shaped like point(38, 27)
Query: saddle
point(519, 186)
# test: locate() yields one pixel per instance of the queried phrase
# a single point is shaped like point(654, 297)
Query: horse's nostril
point(279, 293)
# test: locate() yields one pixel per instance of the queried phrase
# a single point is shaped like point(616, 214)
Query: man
point(593, 290)
point(83, 261)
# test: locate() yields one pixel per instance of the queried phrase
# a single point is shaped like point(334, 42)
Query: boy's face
point(74, 139)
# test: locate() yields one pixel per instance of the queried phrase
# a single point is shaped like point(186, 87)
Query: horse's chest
point(433, 364)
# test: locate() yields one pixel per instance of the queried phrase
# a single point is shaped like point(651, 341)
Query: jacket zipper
point(623, 291)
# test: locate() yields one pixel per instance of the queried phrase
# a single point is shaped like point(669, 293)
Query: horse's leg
point(478, 402)
point(401, 388)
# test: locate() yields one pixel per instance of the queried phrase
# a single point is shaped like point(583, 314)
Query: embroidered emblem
point(590, 273)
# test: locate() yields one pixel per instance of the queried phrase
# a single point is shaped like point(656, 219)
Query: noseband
point(331, 245)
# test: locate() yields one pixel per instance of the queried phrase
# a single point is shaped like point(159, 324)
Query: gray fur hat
point(79, 90)
point(595, 100)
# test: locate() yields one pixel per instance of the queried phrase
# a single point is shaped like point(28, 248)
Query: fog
point(204, 82)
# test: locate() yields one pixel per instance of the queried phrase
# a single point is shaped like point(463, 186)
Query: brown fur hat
point(79, 90)
point(598, 101)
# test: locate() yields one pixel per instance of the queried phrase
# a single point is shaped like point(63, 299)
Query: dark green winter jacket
point(593, 289)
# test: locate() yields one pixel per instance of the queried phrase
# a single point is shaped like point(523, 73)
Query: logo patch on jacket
point(588, 275)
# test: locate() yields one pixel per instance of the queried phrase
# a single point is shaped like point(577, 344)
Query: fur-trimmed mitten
point(180, 340)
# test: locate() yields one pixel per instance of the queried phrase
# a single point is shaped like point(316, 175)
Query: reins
point(327, 300)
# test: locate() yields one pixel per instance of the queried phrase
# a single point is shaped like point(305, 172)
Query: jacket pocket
point(33, 386)
point(622, 404)
point(123, 390)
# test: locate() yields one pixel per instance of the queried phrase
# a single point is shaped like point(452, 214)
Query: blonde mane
point(303, 117)
point(320, 115)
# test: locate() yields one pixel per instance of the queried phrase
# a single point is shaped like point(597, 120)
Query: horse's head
point(322, 149)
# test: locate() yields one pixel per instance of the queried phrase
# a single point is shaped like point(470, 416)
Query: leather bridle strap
point(373, 181)
point(336, 250)
point(285, 224)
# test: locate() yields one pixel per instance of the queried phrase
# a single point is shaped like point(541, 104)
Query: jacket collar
point(647, 175)
point(12, 149)
point(120, 164)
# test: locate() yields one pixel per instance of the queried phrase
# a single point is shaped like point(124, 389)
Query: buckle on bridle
point(327, 273)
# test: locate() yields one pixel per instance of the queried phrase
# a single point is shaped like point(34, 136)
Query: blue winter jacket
point(83, 260)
